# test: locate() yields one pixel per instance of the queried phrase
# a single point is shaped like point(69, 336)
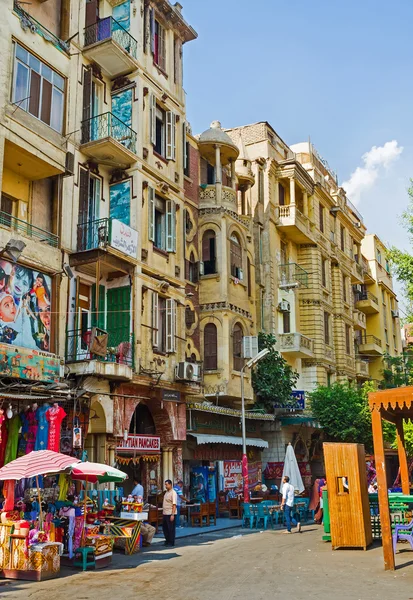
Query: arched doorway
point(142, 421)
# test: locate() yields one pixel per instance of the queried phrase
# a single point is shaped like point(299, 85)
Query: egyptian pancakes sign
point(144, 444)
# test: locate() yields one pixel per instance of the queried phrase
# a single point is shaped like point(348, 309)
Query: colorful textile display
point(54, 416)
point(43, 428)
point(8, 493)
point(32, 430)
point(3, 442)
point(13, 427)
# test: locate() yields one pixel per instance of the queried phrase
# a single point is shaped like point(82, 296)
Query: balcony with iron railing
point(107, 234)
point(368, 344)
point(27, 230)
point(294, 224)
point(111, 46)
point(366, 302)
point(98, 352)
point(292, 275)
point(295, 344)
point(107, 139)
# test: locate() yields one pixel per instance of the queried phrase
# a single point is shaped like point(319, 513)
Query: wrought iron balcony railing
point(292, 275)
point(93, 234)
point(358, 296)
point(107, 125)
point(110, 29)
point(119, 349)
point(363, 340)
point(28, 230)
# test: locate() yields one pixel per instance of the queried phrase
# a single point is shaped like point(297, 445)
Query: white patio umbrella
point(291, 469)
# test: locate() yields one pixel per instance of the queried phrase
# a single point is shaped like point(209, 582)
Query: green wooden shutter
point(118, 315)
point(98, 316)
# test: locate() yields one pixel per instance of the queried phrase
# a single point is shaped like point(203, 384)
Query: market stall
point(30, 543)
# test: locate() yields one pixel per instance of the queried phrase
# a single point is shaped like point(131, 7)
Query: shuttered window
point(236, 257)
point(210, 347)
point(237, 336)
point(38, 89)
point(209, 252)
point(163, 323)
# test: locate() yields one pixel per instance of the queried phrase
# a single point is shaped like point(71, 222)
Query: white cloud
point(375, 160)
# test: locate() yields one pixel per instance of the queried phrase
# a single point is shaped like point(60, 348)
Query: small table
point(190, 507)
point(128, 529)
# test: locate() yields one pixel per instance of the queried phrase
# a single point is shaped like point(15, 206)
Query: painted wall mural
point(120, 199)
point(25, 301)
point(122, 106)
point(121, 14)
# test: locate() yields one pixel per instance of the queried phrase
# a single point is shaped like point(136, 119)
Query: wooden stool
point(84, 562)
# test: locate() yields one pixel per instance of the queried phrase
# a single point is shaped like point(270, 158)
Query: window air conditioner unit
point(284, 306)
point(395, 314)
point(249, 346)
point(186, 371)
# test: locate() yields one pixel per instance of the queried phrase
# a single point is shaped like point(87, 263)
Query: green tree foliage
point(402, 262)
point(342, 411)
point(397, 370)
point(272, 379)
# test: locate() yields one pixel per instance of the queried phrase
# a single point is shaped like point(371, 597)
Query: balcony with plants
point(111, 46)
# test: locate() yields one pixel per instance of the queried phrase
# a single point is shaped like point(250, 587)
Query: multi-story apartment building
point(125, 237)
point(377, 299)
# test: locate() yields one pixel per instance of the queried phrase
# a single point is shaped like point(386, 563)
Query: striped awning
point(206, 438)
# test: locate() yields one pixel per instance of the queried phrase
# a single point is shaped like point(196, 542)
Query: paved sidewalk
point(234, 564)
point(186, 531)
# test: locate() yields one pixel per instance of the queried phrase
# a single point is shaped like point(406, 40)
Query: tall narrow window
point(324, 272)
point(321, 218)
point(348, 345)
point(236, 257)
point(379, 257)
point(237, 336)
point(342, 238)
point(210, 347)
point(192, 269)
point(249, 288)
point(209, 258)
point(281, 194)
point(286, 322)
point(260, 245)
point(162, 222)
point(344, 288)
point(260, 186)
point(327, 327)
point(159, 46)
point(163, 323)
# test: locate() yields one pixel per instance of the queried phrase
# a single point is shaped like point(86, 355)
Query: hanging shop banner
point(147, 444)
point(25, 300)
point(297, 402)
point(124, 238)
point(171, 395)
point(233, 475)
point(30, 364)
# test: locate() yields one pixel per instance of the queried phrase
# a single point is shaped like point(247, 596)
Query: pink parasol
point(38, 462)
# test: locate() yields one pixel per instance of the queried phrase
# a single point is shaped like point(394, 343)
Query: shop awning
point(304, 420)
point(206, 438)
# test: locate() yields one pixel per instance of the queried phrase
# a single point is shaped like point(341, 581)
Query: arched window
point(209, 257)
point(192, 269)
point(142, 421)
point(237, 336)
point(210, 347)
point(236, 257)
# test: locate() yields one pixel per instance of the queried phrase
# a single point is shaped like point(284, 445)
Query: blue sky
point(339, 72)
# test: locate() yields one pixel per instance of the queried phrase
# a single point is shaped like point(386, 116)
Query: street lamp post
point(253, 361)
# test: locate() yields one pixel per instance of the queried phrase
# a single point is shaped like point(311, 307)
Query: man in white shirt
point(287, 505)
point(170, 500)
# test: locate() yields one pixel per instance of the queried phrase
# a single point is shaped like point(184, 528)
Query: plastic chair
point(262, 515)
point(248, 514)
point(403, 532)
point(84, 554)
point(303, 509)
point(276, 517)
point(267, 503)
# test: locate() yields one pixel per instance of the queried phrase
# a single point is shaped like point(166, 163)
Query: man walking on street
point(169, 514)
point(287, 505)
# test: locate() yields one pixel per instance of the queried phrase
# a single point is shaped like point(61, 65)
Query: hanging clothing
point(24, 432)
point(2, 419)
point(42, 435)
point(55, 416)
point(63, 484)
point(32, 430)
point(13, 427)
point(8, 493)
point(3, 443)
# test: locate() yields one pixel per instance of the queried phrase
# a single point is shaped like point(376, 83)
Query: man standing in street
point(169, 514)
point(287, 505)
point(180, 497)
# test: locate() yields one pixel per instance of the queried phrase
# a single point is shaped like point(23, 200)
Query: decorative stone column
point(292, 190)
point(305, 204)
point(218, 175)
point(178, 470)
